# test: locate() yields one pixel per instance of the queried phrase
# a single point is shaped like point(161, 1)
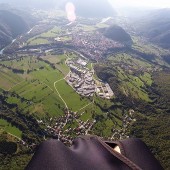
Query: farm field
point(7, 127)
point(51, 33)
point(87, 28)
point(73, 100)
point(47, 76)
point(8, 79)
point(44, 38)
point(25, 63)
point(36, 98)
point(34, 93)
point(132, 85)
point(129, 60)
point(59, 62)
point(37, 41)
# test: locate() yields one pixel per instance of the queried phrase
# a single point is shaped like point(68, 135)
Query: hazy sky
point(141, 3)
point(115, 3)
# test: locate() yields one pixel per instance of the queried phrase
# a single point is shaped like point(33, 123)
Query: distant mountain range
point(156, 27)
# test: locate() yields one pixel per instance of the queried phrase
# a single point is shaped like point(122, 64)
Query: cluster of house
point(93, 44)
point(104, 91)
point(80, 78)
point(66, 135)
point(121, 133)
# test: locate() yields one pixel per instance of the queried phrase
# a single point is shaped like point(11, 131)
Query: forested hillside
point(117, 33)
point(11, 25)
point(148, 93)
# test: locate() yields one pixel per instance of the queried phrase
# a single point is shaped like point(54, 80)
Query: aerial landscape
point(66, 72)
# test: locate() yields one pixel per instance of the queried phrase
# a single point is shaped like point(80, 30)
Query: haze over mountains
point(156, 26)
point(95, 8)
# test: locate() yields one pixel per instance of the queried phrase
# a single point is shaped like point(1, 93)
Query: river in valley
point(1, 51)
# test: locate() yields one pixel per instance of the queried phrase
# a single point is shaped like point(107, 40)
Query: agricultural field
point(65, 38)
point(73, 100)
point(147, 47)
point(51, 33)
point(7, 127)
point(25, 63)
point(37, 41)
point(8, 79)
point(87, 28)
point(102, 25)
point(47, 76)
point(34, 92)
point(59, 62)
point(36, 98)
point(147, 78)
point(45, 37)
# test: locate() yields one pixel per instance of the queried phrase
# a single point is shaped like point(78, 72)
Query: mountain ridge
point(11, 25)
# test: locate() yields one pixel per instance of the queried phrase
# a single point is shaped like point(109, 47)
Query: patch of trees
point(8, 147)
point(32, 132)
point(149, 57)
point(47, 62)
point(17, 71)
point(104, 72)
point(154, 131)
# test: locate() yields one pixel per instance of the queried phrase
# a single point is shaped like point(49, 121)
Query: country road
point(15, 85)
point(60, 95)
